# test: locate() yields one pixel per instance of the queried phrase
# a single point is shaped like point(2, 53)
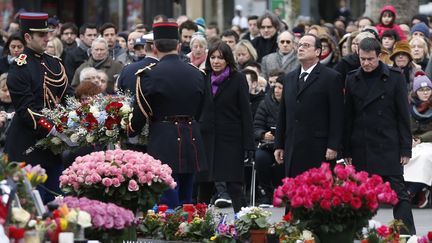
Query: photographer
point(269, 172)
point(6, 110)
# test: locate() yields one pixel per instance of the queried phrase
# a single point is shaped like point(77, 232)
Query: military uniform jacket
point(35, 81)
point(166, 90)
point(377, 122)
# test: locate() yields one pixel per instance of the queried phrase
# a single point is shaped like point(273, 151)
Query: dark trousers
point(415, 187)
point(181, 194)
point(402, 210)
point(51, 187)
point(269, 172)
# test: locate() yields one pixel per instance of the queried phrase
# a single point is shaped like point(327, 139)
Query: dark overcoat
point(310, 119)
point(36, 83)
point(226, 127)
point(377, 122)
point(169, 89)
point(127, 79)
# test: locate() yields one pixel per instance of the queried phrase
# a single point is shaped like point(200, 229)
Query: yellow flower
point(213, 238)
point(29, 176)
point(63, 224)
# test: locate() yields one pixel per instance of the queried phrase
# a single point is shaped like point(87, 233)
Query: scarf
point(217, 80)
point(197, 61)
point(421, 111)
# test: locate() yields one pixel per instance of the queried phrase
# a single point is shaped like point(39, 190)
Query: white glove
point(62, 136)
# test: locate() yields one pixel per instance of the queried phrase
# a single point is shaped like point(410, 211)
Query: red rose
point(429, 235)
point(111, 121)
point(16, 233)
point(383, 231)
point(325, 204)
point(113, 107)
point(288, 217)
point(356, 203)
point(64, 118)
point(91, 120)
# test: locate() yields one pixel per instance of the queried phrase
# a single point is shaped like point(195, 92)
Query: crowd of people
point(355, 89)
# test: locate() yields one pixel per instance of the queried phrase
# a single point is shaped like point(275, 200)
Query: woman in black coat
point(13, 47)
point(269, 172)
point(226, 125)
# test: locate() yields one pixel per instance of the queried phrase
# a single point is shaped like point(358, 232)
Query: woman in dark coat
point(269, 172)
point(226, 125)
point(13, 47)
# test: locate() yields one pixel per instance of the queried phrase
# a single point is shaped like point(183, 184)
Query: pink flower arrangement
point(104, 216)
point(334, 202)
point(127, 178)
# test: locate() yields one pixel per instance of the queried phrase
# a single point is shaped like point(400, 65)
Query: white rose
point(74, 138)
point(32, 223)
point(110, 133)
point(307, 235)
point(125, 109)
point(95, 111)
point(20, 215)
point(89, 138)
point(56, 140)
point(82, 218)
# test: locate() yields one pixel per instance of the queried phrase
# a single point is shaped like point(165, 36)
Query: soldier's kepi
point(36, 81)
point(170, 95)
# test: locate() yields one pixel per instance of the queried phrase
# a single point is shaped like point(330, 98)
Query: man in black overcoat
point(377, 135)
point(309, 128)
point(35, 81)
point(169, 95)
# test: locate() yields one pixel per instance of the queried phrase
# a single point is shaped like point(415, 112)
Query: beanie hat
point(421, 27)
point(401, 47)
point(423, 18)
point(420, 81)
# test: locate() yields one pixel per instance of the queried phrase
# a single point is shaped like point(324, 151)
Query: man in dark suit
point(170, 94)
point(311, 112)
point(36, 81)
point(377, 136)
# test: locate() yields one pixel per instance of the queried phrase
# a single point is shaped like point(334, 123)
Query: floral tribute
point(189, 223)
point(289, 231)
point(127, 178)
point(327, 202)
point(100, 119)
point(251, 218)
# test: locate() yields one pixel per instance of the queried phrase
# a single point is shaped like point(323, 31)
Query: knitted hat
point(420, 27)
point(420, 81)
point(401, 47)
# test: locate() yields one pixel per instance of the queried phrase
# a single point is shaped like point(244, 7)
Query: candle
point(66, 237)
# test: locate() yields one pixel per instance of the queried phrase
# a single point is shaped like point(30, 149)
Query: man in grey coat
point(284, 59)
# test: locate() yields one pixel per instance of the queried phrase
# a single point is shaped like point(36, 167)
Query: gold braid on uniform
point(59, 80)
point(139, 94)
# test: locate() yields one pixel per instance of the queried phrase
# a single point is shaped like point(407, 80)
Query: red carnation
point(113, 107)
point(288, 217)
point(91, 120)
point(16, 233)
point(64, 118)
point(111, 121)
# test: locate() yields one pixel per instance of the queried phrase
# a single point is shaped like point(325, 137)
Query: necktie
point(302, 80)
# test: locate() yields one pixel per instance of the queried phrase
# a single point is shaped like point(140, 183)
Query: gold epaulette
point(148, 67)
point(197, 68)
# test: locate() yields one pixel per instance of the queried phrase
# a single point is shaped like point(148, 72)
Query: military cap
point(35, 22)
point(165, 30)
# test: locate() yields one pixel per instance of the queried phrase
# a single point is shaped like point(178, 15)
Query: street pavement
point(422, 217)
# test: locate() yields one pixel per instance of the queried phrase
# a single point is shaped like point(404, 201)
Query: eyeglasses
point(424, 89)
point(285, 41)
point(304, 45)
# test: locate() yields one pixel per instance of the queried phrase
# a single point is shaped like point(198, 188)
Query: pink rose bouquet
point(327, 202)
point(127, 178)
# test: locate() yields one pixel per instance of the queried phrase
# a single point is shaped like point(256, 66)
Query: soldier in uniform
point(36, 80)
point(169, 95)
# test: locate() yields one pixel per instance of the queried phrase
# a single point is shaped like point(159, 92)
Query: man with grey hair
point(284, 59)
point(100, 60)
point(89, 74)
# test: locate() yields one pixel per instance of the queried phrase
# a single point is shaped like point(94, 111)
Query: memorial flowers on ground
point(127, 178)
point(333, 202)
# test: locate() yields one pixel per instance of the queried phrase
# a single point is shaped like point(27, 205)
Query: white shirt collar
point(309, 69)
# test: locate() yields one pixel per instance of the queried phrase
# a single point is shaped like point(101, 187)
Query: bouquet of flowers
point(100, 119)
point(377, 233)
point(225, 232)
point(326, 202)
point(251, 218)
point(127, 178)
point(189, 223)
point(290, 232)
